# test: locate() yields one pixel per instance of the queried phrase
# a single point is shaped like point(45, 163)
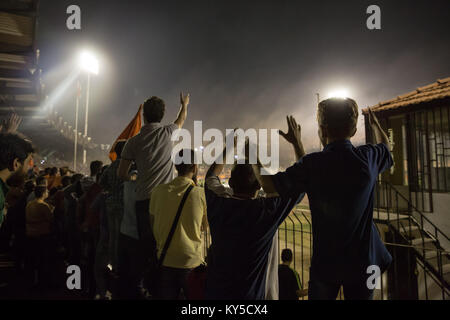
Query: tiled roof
point(435, 91)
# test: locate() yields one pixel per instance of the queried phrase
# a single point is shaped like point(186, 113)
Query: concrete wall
point(441, 215)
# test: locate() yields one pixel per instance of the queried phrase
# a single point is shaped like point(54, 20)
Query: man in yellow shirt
point(185, 250)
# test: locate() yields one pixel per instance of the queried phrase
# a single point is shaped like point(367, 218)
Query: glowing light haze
point(89, 62)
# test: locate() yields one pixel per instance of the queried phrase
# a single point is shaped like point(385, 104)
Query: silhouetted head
point(41, 181)
point(96, 167)
point(103, 169)
point(286, 255)
point(187, 167)
point(243, 180)
point(154, 109)
point(41, 192)
point(15, 153)
point(53, 171)
point(337, 119)
point(65, 181)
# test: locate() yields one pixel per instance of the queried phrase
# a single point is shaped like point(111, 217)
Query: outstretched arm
point(11, 124)
point(182, 114)
point(217, 168)
point(293, 136)
point(265, 181)
point(378, 132)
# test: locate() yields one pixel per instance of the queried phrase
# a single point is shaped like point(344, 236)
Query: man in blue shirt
point(242, 231)
point(340, 183)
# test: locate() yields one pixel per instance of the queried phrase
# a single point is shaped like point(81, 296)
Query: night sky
point(245, 63)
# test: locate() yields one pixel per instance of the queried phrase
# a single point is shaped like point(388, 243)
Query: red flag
point(130, 131)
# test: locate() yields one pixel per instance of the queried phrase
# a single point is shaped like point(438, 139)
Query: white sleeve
point(213, 183)
point(272, 290)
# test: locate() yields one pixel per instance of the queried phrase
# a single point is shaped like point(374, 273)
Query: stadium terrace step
point(407, 229)
point(385, 216)
point(446, 269)
point(430, 254)
point(419, 241)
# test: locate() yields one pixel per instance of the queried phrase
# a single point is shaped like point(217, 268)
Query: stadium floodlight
point(340, 93)
point(88, 62)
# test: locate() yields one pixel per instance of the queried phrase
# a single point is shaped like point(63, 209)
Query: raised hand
point(11, 124)
point(373, 120)
point(379, 134)
point(182, 114)
point(294, 133)
point(294, 136)
point(184, 99)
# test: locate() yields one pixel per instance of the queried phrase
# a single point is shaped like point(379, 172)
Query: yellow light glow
point(89, 62)
point(340, 93)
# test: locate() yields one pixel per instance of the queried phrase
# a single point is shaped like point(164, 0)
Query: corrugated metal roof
point(434, 91)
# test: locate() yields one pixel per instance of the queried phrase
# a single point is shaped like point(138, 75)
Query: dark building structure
point(22, 92)
point(413, 199)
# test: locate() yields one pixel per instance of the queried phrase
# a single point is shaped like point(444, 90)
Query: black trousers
point(171, 282)
point(147, 245)
point(89, 240)
point(322, 290)
point(129, 267)
point(40, 257)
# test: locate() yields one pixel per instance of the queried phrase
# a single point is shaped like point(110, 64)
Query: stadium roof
point(20, 84)
point(435, 91)
point(21, 89)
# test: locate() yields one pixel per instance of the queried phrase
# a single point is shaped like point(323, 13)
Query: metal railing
point(414, 276)
point(414, 229)
point(387, 205)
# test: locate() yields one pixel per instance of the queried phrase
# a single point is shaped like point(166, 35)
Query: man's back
point(185, 250)
point(89, 217)
point(113, 185)
point(289, 282)
point(242, 232)
point(151, 150)
point(339, 182)
point(39, 218)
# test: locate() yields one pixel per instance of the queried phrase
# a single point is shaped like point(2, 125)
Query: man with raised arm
point(151, 151)
point(339, 182)
point(242, 230)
